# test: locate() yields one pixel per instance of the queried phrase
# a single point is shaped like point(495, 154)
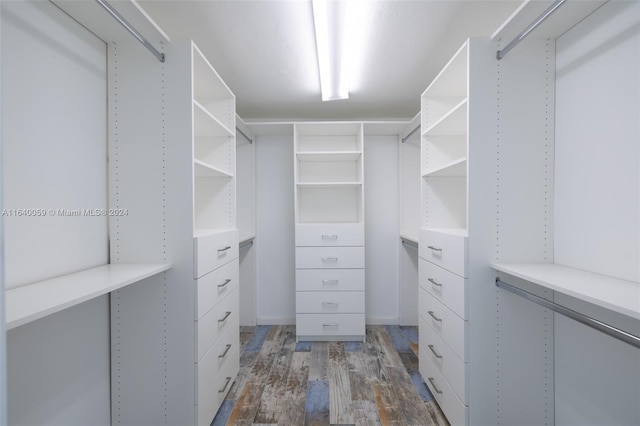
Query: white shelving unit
point(329, 217)
point(457, 132)
point(175, 339)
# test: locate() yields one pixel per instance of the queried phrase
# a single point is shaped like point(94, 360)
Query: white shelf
point(452, 123)
point(617, 295)
point(459, 232)
point(202, 169)
point(454, 168)
point(206, 124)
point(35, 301)
point(329, 184)
point(329, 155)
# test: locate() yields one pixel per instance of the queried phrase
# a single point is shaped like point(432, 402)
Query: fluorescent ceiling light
point(333, 40)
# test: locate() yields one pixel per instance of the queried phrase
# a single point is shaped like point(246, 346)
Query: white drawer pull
point(332, 282)
point(434, 317)
point(330, 304)
point(224, 284)
point(226, 383)
point(434, 282)
point(434, 248)
point(224, 318)
point(434, 352)
point(329, 237)
point(226, 349)
point(331, 324)
point(329, 259)
point(222, 250)
point(435, 388)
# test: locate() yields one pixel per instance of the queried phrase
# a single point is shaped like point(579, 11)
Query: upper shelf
point(205, 124)
point(35, 301)
point(617, 295)
point(452, 123)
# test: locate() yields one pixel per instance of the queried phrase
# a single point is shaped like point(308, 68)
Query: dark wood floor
point(329, 383)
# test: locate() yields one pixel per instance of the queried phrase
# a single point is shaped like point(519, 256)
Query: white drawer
point(217, 321)
point(330, 279)
point(214, 286)
point(330, 234)
point(442, 356)
point(446, 250)
point(324, 326)
point(220, 357)
point(329, 257)
point(456, 412)
point(214, 250)
point(209, 403)
point(450, 327)
point(447, 287)
point(330, 302)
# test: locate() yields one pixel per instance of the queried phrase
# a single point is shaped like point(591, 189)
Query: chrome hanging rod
point(410, 244)
point(127, 26)
point(513, 43)
point(629, 338)
point(243, 134)
point(410, 133)
point(245, 244)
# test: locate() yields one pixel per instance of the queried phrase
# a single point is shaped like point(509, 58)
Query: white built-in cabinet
point(175, 340)
point(329, 231)
point(455, 111)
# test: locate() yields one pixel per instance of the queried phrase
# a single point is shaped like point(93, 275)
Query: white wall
point(381, 229)
point(275, 231)
point(597, 205)
point(54, 157)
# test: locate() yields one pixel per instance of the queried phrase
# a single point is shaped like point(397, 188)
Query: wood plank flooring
point(329, 383)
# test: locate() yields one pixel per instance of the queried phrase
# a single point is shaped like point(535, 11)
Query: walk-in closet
point(320, 212)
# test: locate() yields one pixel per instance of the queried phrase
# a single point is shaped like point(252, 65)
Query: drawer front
point(330, 234)
point(214, 250)
point(445, 250)
point(447, 287)
point(330, 302)
point(214, 286)
point(209, 403)
point(218, 320)
point(329, 257)
point(330, 279)
point(442, 356)
point(327, 325)
point(450, 327)
point(455, 411)
point(221, 356)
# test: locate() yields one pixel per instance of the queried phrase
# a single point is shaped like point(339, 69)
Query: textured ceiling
point(265, 52)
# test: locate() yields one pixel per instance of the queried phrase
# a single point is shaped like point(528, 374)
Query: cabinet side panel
point(151, 173)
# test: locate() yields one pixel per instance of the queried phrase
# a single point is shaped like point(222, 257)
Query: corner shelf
point(614, 294)
point(453, 122)
point(34, 301)
point(202, 169)
point(205, 124)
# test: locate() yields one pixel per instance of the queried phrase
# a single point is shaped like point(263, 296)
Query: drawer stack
point(330, 298)
point(217, 328)
point(443, 320)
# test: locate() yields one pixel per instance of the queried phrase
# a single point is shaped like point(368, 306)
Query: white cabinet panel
point(214, 286)
point(446, 250)
point(447, 287)
point(330, 280)
point(214, 250)
point(330, 234)
point(329, 257)
point(329, 302)
point(450, 327)
point(327, 326)
point(442, 356)
point(218, 320)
